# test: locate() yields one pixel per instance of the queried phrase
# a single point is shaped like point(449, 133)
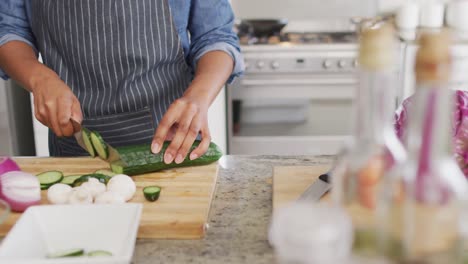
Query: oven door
point(290, 115)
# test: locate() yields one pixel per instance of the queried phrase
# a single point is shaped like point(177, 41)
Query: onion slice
point(7, 165)
point(20, 190)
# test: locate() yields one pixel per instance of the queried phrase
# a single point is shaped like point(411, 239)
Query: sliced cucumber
point(45, 187)
point(99, 253)
point(49, 178)
point(151, 193)
point(70, 179)
point(99, 145)
point(77, 252)
point(106, 172)
point(100, 177)
point(87, 141)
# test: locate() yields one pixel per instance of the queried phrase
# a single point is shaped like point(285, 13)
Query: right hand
point(55, 104)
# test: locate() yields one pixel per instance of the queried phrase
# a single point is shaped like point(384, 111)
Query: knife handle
point(325, 177)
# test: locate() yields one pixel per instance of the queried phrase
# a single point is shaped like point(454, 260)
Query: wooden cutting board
point(289, 182)
point(181, 211)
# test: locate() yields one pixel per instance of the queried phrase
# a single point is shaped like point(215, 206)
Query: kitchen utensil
point(289, 182)
point(432, 14)
point(264, 27)
point(43, 230)
point(113, 153)
point(181, 211)
point(317, 189)
point(78, 135)
point(456, 15)
point(407, 16)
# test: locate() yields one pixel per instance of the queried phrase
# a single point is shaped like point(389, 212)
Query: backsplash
point(304, 9)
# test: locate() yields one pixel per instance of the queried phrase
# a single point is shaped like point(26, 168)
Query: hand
point(183, 121)
point(55, 104)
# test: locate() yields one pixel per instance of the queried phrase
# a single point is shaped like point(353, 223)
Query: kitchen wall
point(303, 9)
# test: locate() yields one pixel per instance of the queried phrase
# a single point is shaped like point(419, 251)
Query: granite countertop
point(239, 217)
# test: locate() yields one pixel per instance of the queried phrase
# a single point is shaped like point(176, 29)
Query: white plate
point(50, 228)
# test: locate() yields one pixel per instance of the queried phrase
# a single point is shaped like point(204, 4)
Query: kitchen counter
point(239, 217)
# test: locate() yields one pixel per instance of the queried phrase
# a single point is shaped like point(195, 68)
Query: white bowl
point(46, 229)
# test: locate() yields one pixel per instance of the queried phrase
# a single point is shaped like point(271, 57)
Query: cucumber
point(99, 145)
point(99, 253)
point(70, 179)
point(100, 177)
point(151, 193)
point(49, 178)
point(85, 134)
point(106, 172)
point(139, 159)
point(77, 252)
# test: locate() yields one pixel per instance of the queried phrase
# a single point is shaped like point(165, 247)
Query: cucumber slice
point(99, 145)
point(87, 141)
point(49, 178)
point(100, 177)
point(45, 187)
point(99, 253)
point(106, 172)
point(70, 179)
point(77, 252)
point(151, 193)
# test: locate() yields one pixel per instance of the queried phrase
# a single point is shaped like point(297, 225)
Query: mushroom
point(94, 187)
point(109, 198)
point(80, 196)
point(123, 185)
point(59, 193)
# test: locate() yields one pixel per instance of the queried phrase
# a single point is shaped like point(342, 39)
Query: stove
point(300, 38)
point(297, 92)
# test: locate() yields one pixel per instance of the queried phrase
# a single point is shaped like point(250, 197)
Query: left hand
point(183, 121)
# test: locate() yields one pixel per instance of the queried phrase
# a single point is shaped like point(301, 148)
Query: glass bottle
point(431, 187)
point(374, 148)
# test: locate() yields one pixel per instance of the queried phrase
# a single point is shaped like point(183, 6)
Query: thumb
point(76, 113)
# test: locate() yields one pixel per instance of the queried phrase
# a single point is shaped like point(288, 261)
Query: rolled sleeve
point(211, 28)
point(14, 24)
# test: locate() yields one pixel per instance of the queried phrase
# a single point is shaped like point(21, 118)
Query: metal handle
point(288, 82)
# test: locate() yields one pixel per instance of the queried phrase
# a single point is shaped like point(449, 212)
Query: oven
point(292, 100)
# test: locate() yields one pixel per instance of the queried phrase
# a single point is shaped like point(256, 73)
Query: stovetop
point(301, 39)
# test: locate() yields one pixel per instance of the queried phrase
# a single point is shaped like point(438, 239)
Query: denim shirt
point(202, 25)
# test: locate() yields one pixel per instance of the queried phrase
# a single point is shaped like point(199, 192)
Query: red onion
point(20, 190)
point(7, 164)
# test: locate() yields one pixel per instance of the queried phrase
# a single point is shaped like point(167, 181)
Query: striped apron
point(122, 59)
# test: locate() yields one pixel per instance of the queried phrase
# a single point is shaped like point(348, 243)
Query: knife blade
point(113, 153)
point(317, 189)
point(78, 135)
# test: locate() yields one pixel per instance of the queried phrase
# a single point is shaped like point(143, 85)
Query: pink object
point(7, 165)
point(459, 125)
point(20, 190)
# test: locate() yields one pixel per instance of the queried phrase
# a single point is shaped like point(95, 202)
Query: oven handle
point(286, 82)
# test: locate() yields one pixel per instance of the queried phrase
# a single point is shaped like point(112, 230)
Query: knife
point(113, 153)
point(317, 189)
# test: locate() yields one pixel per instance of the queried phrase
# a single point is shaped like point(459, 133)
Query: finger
point(188, 141)
point(181, 134)
point(42, 111)
point(164, 126)
point(53, 118)
point(204, 144)
point(38, 112)
point(76, 113)
point(64, 110)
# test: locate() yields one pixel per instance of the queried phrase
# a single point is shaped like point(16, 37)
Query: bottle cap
point(433, 59)
point(377, 48)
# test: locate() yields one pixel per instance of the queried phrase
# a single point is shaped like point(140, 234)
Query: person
point(135, 71)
